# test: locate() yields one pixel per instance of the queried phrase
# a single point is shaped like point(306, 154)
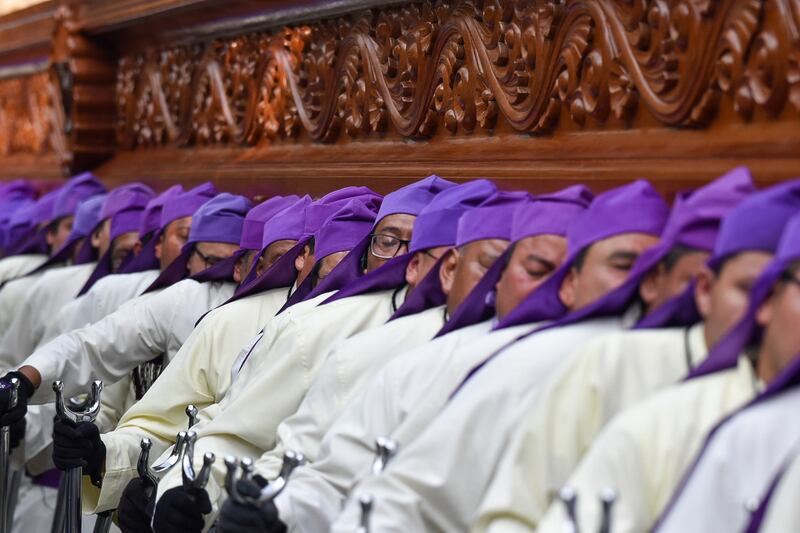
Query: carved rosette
point(463, 67)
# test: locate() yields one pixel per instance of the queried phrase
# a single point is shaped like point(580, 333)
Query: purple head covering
point(490, 220)
point(87, 216)
point(285, 225)
point(17, 189)
point(151, 217)
point(771, 207)
point(123, 206)
point(340, 233)
point(408, 200)
point(76, 190)
point(549, 214)
point(430, 227)
point(298, 222)
point(258, 217)
point(19, 222)
point(186, 204)
point(610, 214)
point(694, 222)
point(440, 217)
point(27, 233)
point(149, 227)
point(412, 199)
point(747, 332)
point(220, 219)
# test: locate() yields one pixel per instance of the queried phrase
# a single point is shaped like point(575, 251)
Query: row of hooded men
point(444, 358)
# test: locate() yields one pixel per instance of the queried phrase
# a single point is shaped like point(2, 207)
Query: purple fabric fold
point(428, 293)
point(219, 219)
point(746, 332)
point(282, 273)
point(607, 216)
point(222, 271)
point(76, 190)
point(87, 215)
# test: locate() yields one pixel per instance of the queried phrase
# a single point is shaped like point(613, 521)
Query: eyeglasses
point(386, 246)
point(209, 260)
point(789, 278)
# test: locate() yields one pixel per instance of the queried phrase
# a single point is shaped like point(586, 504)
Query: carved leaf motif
point(465, 64)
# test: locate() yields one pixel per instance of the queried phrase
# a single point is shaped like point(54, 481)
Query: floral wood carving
point(463, 66)
point(26, 115)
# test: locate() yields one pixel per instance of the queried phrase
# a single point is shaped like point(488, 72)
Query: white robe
point(737, 466)
point(413, 383)
point(12, 295)
point(140, 331)
point(439, 477)
point(199, 374)
point(277, 375)
point(783, 513)
point(19, 265)
point(645, 450)
point(55, 288)
point(345, 372)
point(601, 378)
point(105, 297)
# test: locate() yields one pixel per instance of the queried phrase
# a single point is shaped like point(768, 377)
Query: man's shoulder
point(122, 282)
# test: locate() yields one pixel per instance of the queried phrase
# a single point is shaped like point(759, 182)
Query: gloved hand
point(135, 510)
point(11, 415)
point(17, 433)
point(181, 511)
point(243, 518)
point(79, 445)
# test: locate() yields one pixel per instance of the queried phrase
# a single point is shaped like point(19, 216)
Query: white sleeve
point(106, 350)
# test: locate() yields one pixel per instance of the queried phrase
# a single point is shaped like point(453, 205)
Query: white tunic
point(105, 297)
point(277, 375)
point(645, 450)
point(345, 372)
point(12, 295)
point(142, 330)
point(412, 383)
point(439, 478)
point(55, 288)
point(783, 513)
point(737, 466)
point(601, 378)
point(199, 374)
point(19, 265)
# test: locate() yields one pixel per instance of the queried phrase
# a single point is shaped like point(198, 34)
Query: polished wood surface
point(310, 95)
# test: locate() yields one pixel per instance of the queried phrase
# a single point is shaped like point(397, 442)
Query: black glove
point(79, 445)
point(244, 518)
point(17, 433)
point(9, 416)
point(136, 507)
point(181, 511)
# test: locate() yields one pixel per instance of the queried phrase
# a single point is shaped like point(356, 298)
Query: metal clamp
point(385, 449)
point(191, 413)
point(608, 498)
point(569, 498)
point(291, 460)
point(365, 502)
point(72, 484)
point(191, 479)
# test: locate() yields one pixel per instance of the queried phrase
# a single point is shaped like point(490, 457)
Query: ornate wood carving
point(469, 67)
point(26, 115)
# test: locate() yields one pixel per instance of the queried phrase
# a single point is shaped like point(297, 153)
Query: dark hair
point(718, 266)
point(311, 245)
point(580, 259)
point(52, 227)
point(677, 253)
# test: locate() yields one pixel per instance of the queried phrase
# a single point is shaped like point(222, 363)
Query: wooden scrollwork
point(462, 66)
point(26, 114)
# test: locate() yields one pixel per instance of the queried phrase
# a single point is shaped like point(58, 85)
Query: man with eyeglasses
point(305, 333)
point(622, 455)
point(201, 369)
point(349, 366)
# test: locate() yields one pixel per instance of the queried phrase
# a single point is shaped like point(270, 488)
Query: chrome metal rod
point(61, 503)
point(103, 523)
point(5, 464)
